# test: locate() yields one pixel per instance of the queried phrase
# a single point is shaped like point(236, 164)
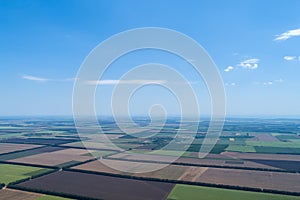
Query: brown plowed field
point(55, 158)
point(10, 147)
point(99, 186)
point(7, 194)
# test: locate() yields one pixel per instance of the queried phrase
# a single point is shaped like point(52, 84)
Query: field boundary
point(188, 182)
point(53, 193)
point(28, 164)
point(203, 165)
point(18, 151)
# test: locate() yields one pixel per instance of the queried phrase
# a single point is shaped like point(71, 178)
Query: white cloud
point(289, 58)
point(230, 84)
point(249, 64)
point(115, 82)
point(40, 79)
point(34, 78)
point(228, 69)
point(269, 83)
point(279, 80)
point(288, 34)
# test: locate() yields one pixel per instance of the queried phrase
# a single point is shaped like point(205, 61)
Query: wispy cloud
point(269, 83)
point(115, 82)
point(249, 64)
point(41, 79)
point(228, 69)
point(288, 34)
point(289, 58)
point(34, 78)
point(230, 84)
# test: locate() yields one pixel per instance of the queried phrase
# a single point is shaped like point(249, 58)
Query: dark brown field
point(99, 186)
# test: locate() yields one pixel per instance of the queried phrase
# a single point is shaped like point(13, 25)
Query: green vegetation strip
point(12, 173)
point(182, 192)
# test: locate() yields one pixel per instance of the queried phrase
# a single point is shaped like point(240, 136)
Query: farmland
point(170, 172)
point(244, 159)
point(182, 192)
point(226, 162)
point(22, 195)
point(12, 173)
point(9, 147)
point(253, 179)
point(232, 177)
point(104, 187)
point(29, 152)
point(55, 157)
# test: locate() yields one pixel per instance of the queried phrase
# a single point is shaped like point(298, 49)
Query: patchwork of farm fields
point(48, 161)
point(218, 176)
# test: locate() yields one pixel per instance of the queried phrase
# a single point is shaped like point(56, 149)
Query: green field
point(10, 173)
point(183, 192)
point(292, 146)
point(289, 144)
point(241, 148)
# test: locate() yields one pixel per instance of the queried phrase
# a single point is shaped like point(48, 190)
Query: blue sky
point(255, 45)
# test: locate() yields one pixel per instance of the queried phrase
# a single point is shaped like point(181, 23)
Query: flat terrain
point(29, 152)
point(246, 178)
point(55, 158)
point(227, 162)
point(10, 147)
point(98, 186)
point(100, 145)
point(11, 173)
point(249, 153)
point(18, 195)
point(23, 195)
point(170, 172)
point(183, 192)
point(41, 141)
point(255, 179)
point(261, 156)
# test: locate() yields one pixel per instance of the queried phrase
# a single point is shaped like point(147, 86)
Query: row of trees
point(234, 187)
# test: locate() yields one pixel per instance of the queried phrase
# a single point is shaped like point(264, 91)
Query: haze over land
point(151, 127)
